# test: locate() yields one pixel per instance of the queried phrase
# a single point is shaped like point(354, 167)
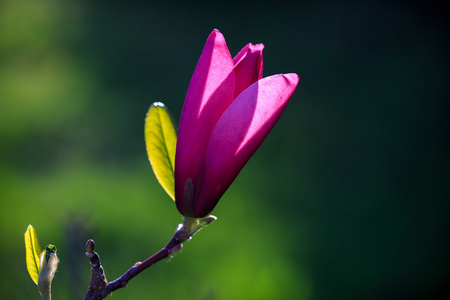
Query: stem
point(99, 288)
point(122, 281)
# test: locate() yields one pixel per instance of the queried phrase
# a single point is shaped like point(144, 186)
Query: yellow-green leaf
point(32, 251)
point(161, 141)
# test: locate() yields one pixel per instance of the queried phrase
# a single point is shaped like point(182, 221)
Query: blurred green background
point(346, 199)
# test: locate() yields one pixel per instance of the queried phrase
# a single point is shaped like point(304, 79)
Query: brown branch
point(98, 279)
point(99, 287)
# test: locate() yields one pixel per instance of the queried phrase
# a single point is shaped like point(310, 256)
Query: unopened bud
point(90, 246)
point(48, 265)
point(176, 248)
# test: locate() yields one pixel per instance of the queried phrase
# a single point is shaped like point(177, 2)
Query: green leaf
point(161, 141)
point(32, 251)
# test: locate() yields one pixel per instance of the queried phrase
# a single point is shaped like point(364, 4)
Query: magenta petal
point(210, 92)
point(239, 132)
point(248, 66)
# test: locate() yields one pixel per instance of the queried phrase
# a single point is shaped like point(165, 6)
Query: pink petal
point(210, 92)
point(248, 66)
point(238, 134)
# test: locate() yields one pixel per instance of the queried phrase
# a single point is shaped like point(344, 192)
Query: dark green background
point(346, 199)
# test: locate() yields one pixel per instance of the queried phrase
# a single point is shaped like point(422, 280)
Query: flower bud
point(48, 265)
point(228, 112)
point(90, 245)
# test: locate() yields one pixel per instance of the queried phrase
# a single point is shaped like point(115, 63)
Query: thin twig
point(100, 288)
point(98, 282)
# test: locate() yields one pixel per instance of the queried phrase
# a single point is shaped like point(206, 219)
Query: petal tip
point(215, 33)
point(257, 47)
point(292, 78)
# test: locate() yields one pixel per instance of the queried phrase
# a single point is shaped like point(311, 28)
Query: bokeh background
point(346, 199)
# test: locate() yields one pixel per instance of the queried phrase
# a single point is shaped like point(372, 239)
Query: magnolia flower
point(228, 112)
